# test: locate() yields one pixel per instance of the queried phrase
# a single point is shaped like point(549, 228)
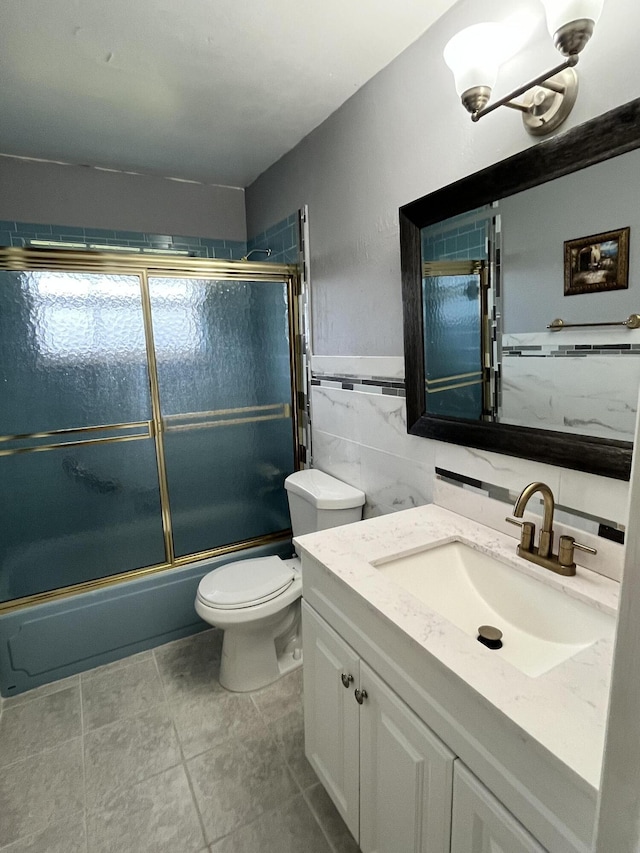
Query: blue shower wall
point(45, 642)
point(21, 233)
point(281, 238)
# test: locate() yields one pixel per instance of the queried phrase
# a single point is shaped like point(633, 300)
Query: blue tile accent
point(98, 233)
point(188, 241)
point(129, 235)
point(281, 238)
point(62, 231)
point(34, 227)
point(20, 233)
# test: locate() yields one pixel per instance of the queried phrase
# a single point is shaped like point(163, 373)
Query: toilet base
point(252, 659)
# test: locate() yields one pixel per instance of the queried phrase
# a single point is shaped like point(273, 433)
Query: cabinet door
point(481, 824)
point(406, 776)
point(331, 714)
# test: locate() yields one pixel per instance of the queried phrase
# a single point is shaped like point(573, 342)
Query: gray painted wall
point(79, 195)
point(405, 134)
point(535, 225)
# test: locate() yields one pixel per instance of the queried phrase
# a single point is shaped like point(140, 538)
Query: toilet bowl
point(256, 602)
point(257, 605)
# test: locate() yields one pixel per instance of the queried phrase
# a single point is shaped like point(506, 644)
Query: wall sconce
point(476, 53)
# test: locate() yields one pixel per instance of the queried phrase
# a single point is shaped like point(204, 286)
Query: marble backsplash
point(360, 437)
point(583, 383)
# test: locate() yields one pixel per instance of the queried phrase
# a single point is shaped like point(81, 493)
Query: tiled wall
point(22, 233)
point(281, 238)
point(459, 238)
point(548, 381)
point(361, 438)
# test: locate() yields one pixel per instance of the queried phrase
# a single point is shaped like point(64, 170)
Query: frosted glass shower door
point(79, 490)
point(223, 363)
point(453, 345)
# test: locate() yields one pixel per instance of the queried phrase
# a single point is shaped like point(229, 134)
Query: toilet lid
point(246, 582)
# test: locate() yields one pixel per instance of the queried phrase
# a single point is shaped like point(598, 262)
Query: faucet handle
point(567, 546)
point(528, 532)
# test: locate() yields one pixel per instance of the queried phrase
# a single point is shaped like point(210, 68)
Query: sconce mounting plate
point(547, 108)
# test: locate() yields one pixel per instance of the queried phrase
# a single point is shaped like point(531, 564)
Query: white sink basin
point(541, 625)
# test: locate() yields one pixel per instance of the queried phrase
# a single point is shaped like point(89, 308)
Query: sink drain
point(490, 637)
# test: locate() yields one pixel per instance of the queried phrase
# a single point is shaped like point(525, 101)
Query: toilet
point(257, 602)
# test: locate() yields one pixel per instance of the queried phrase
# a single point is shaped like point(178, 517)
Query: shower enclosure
point(147, 415)
point(457, 339)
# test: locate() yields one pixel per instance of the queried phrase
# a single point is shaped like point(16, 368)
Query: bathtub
point(45, 642)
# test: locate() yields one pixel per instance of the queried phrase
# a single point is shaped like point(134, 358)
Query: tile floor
point(151, 754)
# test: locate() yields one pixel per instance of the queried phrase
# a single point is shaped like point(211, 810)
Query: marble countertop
point(564, 709)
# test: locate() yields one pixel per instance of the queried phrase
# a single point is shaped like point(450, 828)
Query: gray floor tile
point(289, 734)
point(191, 665)
point(118, 664)
point(66, 837)
point(281, 697)
point(291, 828)
point(41, 790)
point(39, 724)
point(204, 720)
point(123, 692)
point(154, 816)
point(128, 751)
point(333, 825)
point(44, 690)
point(237, 782)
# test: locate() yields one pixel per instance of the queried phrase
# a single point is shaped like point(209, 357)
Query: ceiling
point(208, 90)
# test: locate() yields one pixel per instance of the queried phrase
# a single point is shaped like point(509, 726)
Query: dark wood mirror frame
point(609, 135)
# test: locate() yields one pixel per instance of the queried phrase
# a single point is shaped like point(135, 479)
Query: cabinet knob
point(346, 679)
point(360, 695)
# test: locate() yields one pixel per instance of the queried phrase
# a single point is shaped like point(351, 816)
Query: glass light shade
point(475, 55)
point(563, 12)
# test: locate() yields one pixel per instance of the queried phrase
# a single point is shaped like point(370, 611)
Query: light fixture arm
point(543, 80)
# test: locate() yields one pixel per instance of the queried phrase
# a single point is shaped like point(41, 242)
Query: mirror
point(484, 274)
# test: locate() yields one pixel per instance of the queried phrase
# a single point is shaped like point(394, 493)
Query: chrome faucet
point(562, 563)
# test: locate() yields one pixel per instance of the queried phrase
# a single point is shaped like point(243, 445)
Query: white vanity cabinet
point(481, 823)
point(388, 763)
point(390, 777)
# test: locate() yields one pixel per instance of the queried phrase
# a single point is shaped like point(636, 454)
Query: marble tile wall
point(549, 382)
point(360, 437)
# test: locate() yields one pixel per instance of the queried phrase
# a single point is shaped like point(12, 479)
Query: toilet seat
point(246, 583)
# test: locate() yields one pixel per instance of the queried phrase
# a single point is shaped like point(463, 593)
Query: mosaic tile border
point(603, 527)
point(363, 384)
point(572, 350)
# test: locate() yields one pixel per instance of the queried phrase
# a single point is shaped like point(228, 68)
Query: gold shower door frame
point(481, 376)
point(145, 267)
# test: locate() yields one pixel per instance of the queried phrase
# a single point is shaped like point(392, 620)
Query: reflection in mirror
point(492, 282)
point(456, 308)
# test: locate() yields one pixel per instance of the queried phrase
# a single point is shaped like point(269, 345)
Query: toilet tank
point(318, 501)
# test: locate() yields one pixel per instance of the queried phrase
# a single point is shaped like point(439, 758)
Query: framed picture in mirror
point(596, 263)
